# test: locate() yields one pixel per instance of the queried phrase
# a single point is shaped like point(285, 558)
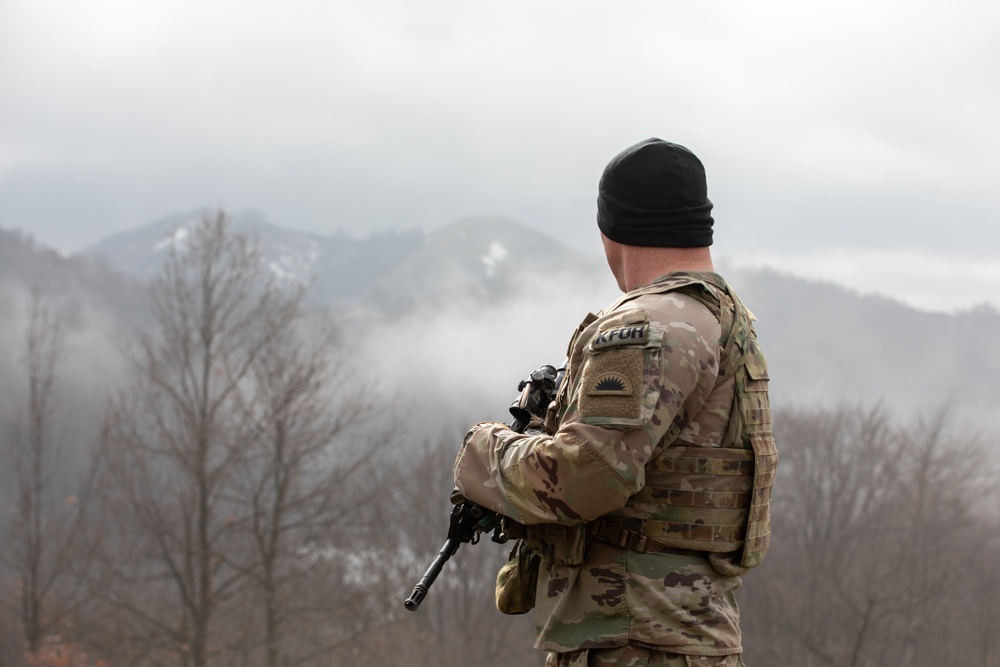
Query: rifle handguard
point(468, 520)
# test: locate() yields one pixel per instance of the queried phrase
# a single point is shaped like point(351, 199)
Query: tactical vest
point(709, 499)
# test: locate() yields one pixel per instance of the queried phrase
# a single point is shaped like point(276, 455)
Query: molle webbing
point(717, 499)
point(750, 424)
point(703, 495)
point(755, 428)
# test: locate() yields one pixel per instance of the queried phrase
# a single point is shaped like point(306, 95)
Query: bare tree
point(877, 529)
point(173, 443)
point(235, 468)
point(44, 523)
point(983, 587)
point(300, 489)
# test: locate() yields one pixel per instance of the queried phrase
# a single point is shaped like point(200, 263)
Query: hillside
point(456, 317)
point(101, 310)
point(337, 267)
point(826, 342)
point(479, 261)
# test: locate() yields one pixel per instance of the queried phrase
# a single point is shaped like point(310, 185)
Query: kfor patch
point(629, 334)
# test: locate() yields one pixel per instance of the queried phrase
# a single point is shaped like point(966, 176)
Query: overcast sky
point(857, 142)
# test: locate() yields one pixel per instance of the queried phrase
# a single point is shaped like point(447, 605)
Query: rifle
point(468, 520)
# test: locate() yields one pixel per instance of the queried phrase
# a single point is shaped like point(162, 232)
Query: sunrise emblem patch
point(610, 384)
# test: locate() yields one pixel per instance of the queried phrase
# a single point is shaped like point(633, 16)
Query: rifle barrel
point(448, 549)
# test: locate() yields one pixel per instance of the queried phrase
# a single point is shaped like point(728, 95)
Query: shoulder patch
point(630, 334)
point(611, 389)
point(610, 384)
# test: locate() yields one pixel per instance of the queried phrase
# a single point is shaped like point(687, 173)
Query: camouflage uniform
point(634, 656)
point(643, 385)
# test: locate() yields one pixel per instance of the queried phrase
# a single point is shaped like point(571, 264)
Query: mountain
point(477, 260)
point(825, 342)
point(100, 311)
point(474, 258)
point(452, 319)
point(336, 266)
point(78, 286)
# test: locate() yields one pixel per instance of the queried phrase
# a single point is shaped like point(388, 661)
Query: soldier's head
point(654, 194)
point(652, 202)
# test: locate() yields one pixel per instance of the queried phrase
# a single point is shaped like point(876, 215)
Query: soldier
point(647, 494)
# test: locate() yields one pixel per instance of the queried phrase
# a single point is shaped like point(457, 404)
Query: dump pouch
point(517, 580)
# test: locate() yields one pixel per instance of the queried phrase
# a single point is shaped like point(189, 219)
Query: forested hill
point(99, 310)
point(827, 342)
point(513, 295)
point(293, 464)
point(337, 267)
point(77, 284)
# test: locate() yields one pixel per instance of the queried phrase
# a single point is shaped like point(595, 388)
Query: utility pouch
point(517, 580)
point(558, 544)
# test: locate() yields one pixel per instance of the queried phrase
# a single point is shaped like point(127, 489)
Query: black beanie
point(654, 194)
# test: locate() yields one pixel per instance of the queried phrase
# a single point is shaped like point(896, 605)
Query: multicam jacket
point(643, 428)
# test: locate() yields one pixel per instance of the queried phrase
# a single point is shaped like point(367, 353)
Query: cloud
point(462, 361)
point(853, 125)
point(919, 278)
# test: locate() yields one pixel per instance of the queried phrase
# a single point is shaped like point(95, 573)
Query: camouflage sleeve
point(635, 377)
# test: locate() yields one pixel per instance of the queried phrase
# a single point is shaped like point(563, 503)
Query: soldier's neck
point(641, 265)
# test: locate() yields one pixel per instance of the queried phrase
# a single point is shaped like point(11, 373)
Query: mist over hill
point(445, 324)
point(100, 311)
point(828, 343)
point(335, 267)
point(448, 322)
point(480, 261)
